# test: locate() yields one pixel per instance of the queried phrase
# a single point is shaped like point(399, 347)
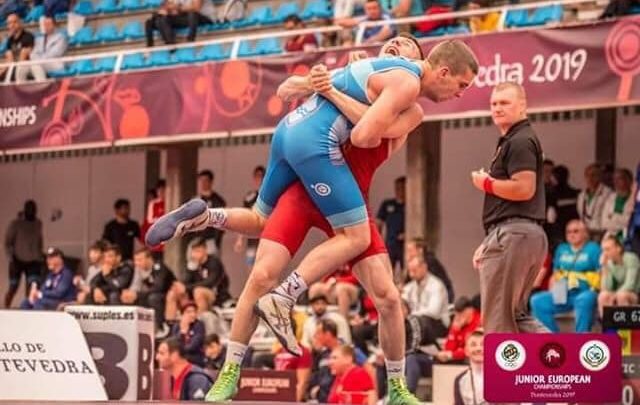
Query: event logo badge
point(594, 355)
point(553, 355)
point(510, 355)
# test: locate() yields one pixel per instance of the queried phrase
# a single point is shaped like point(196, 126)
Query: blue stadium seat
point(56, 74)
point(134, 61)
point(268, 46)
point(34, 14)
point(106, 65)
point(285, 10)
point(108, 33)
point(186, 55)
point(247, 49)
point(316, 9)
point(260, 16)
point(84, 36)
point(160, 58)
point(634, 9)
point(152, 3)
point(3, 45)
point(133, 31)
point(82, 67)
point(213, 52)
point(84, 7)
point(516, 18)
point(108, 7)
point(458, 29)
point(133, 5)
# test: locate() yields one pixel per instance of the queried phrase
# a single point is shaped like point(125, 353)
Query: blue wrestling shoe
point(189, 217)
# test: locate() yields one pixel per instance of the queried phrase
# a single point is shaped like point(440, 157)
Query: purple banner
point(583, 66)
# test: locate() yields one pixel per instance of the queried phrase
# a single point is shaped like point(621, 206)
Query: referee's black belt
point(490, 227)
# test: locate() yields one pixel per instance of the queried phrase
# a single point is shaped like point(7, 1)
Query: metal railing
point(236, 41)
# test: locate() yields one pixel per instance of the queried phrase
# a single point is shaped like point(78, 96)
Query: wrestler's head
point(404, 45)
point(450, 68)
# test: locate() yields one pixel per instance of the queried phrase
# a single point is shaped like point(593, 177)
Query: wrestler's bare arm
point(295, 87)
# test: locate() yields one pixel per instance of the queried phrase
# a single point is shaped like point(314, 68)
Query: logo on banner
point(552, 355)
point(510, 355)
point(594, 355)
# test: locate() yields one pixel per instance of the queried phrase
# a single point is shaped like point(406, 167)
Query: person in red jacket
point(352, 384)
point(340, 288)
point(155, 209)
point(465, 321)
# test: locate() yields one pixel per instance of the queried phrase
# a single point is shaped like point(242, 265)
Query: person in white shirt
point(591, 200)
point(619, 205)
point(319, 305)
point(468, 386)
point(50, 45)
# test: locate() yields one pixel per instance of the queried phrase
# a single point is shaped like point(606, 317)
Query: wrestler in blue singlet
point(306, 145)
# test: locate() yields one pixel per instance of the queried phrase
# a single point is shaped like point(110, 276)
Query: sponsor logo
point(594, 355)
point(510, 355)
point(552, 355)
point(322, 189)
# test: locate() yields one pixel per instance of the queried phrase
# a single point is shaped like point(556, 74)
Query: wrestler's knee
point(359, 236)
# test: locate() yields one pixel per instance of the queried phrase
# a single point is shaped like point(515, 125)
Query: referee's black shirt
point(518, 150)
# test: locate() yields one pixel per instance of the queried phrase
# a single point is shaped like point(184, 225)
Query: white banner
point(44, 356)
point(121, 340)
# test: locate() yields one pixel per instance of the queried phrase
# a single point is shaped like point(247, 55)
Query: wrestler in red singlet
point(295, 214)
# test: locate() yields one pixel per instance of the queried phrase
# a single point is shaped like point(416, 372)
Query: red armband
point(488, 185)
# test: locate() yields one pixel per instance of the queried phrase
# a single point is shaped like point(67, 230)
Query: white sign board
point(44, 356)
point(121, 341)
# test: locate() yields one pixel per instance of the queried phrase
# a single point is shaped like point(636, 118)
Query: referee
point(513, 251)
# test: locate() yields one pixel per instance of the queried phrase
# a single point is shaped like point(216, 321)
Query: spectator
point(176, 14)
point(575, 278)
point(285, 361)
point(345, 8)
point(620, 275)
point(122, 230)
point(215, 353)
point(155, 209)
point(299, 43)
point(114, 277)
point(339, 288)
point(191, 333)
point(633, 235)
point(188, 381)
point(23, 246)
point(205, 281)
point(319, 304)
point(372, 35)
point(619, 206)
point(617, 8)
point(485, 22)
point(364, 324)
point(432, 9)
point(402, 8)
point(325, 340)
point(58, 287)
point(9, 7)
point(151, 282)
point(94, 257)
point(418, 247)
point(465, 320)
point(234, 10)
point(248, 202)
point(591, 201)
point(54, 7)
point(212, 236)
point(52, 44)
point(352, 384)
point(390, 219)
point(564, 201)
point(469, 386)
point(19, 43)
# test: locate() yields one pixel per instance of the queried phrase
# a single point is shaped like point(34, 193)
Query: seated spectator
point(372, 35)
point(52, 44)
point(345, 8)
point(465, 320)
point(58, 287)
point(617, 8)
point(576, 277)
point(205, 281)
point(339, 288)
point(469, 386)
point(151, 282)
point(633, 235)
point(188, 381)
point(565, 200)
point(352, 384)
point(426, 297)
point(319, 311)
point(620, 275)
point(364, 324)
point(285, 361)
point(176, 14)
point(619, 205)
point(94, 258)
point(402, 8)
point(9, 7)
point(191, 333)
point(325, 340)
point(114, 277)
point(234, 10)
point(591, 201)
point(53, 7)
point(215, 352)
point(19, 43)
point(427, 26)
point(485, 22)
point(418, 247)
point(305, 43)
